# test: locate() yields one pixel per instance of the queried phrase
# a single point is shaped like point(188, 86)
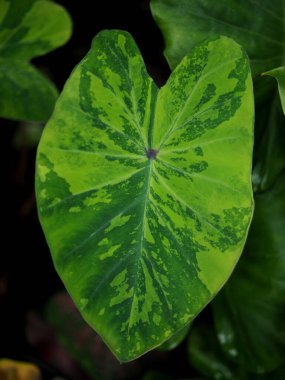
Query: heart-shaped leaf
point(257, 25)
point(28, 29)
point(144, 195)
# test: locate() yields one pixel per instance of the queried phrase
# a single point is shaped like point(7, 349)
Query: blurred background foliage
point(240, 336)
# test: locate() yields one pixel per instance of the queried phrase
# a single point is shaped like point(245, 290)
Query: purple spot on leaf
point(151, 153)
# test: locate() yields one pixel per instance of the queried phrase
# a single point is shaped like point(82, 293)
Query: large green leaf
point(257, 25)
point(279, 74)
point(250, 310)
point(28, 29)
point(144, 195)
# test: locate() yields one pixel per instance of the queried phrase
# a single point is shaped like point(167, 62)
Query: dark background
point(27, 275)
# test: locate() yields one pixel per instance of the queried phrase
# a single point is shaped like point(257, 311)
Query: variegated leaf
point(28, 29)
point(145, 195)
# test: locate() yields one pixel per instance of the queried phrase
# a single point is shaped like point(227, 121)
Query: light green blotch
point(83, 172)
point(168, 333)
point(102, 311)
point(113, 78)
point(148, 299)
point(104, 241)
point(181, 221)
point(166, 243)
point(74, 209)
point(83, 303)
point(54, 202)
point(138, 344)
point(119, 221)
point(110, 252)
point(121, 287)
point(141, 185)
point(121, 43)
point(156, 319)
point(162, 267)
point(101, 196)
point(164, 279)
point(216, 266)
point(147, 234)
point(186, 318)
point(42, 172)
point(154, 255)
point(108, 102)
point(133, 320)
point(101, 56)
point(43, 193)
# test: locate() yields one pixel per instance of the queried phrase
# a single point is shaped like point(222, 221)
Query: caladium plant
point(144, 194)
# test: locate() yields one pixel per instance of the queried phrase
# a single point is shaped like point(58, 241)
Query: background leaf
point(250, 310)
point(25, 93)
point(28, 29)
point(279, 75)
point(256, 25)
point(206, 355)
point(144, 214)
point(269, 153)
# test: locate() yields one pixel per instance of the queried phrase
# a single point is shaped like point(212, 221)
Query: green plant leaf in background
point(28, 29)
point(252, 328)
point(209, 359)
point(206, 355)
point(279, 75)
point(269, 153)
point(145, 196)
point(256, 25)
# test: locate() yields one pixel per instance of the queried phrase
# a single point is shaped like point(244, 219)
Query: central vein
point(149, 168)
